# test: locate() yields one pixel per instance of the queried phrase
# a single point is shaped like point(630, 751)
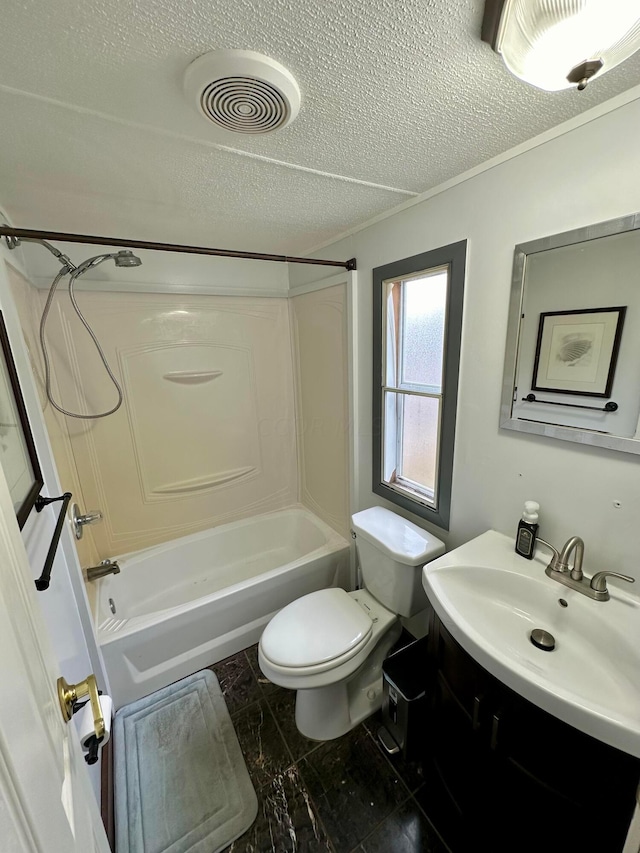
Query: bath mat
point(181, 783)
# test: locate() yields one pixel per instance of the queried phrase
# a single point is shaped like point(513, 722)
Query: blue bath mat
point(181, 783)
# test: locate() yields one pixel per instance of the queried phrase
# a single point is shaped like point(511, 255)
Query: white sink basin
point(490, 599)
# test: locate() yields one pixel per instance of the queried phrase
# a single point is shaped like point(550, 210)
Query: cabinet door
point(522, 779)
point(461, 696)
point(563, 785)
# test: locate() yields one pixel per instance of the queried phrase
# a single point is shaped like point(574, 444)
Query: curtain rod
point(61, 237)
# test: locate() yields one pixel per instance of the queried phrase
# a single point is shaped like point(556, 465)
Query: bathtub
point(189, 603)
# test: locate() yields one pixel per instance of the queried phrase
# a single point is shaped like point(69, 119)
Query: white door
point(46, 800)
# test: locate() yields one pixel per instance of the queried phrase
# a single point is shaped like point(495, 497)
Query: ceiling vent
point(242, 91)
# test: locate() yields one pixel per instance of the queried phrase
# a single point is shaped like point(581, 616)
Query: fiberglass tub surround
point(195, 600)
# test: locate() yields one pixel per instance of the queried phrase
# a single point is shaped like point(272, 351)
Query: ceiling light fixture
point(557, 44)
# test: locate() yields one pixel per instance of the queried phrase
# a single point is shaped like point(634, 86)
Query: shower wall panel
point(28, 301)
point(320, 347)
point(206, 433)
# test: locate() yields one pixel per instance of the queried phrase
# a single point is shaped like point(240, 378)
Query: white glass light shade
point(541, 41)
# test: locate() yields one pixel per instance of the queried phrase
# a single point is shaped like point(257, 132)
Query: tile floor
point(341, 796)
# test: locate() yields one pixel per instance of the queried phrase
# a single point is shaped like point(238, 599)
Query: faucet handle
point(599, 581)
point(555, 553)
point(78, 520)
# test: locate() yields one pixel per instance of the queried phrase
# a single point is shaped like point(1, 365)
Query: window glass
point(413, 333)
point(411, 443)
point(423, 319)
point(419, 451)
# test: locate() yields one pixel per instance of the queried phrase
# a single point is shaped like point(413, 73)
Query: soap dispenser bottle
point(527, 530)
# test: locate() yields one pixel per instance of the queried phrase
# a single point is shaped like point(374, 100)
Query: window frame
point(452, 256)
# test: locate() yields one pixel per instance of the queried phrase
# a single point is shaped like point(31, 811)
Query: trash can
point(404, 699)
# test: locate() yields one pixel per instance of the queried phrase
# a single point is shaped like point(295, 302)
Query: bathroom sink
point(490, 600)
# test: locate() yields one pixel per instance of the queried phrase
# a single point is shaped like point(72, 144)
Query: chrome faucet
point(106, 567)
point(574, 544)
point(560, 571)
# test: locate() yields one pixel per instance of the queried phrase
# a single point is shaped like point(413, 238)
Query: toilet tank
point(392, 552)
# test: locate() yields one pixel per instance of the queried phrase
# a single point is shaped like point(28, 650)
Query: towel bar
point(45, 578)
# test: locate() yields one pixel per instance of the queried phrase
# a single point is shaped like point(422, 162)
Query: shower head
point(126, 258)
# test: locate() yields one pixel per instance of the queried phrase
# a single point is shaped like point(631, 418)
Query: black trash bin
point(404, 699)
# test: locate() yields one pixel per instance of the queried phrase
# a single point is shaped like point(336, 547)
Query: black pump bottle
point(527, 530)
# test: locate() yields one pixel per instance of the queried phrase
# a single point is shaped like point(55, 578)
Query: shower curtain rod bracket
point(14, 235)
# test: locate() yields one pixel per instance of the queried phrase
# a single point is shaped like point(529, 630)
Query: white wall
point(587, 175)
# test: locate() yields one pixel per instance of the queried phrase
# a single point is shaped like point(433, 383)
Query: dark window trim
point(454, 256)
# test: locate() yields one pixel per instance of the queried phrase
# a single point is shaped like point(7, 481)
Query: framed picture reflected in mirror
point(577, 351)
point(17, 449)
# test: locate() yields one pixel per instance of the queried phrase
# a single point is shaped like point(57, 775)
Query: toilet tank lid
point(396, 537)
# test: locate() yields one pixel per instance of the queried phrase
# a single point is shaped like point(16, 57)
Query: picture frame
point(18, 455)
point(577, 351)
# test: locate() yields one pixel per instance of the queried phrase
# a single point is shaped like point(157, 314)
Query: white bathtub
point(191, 602)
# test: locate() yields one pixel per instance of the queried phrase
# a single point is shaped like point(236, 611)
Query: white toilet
point(330, 645)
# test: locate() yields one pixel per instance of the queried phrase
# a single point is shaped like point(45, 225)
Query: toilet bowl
point(329, 645)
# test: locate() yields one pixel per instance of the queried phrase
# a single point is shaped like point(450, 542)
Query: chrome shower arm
point(14, 242)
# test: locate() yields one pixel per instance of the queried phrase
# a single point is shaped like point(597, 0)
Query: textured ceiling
point(96, 135)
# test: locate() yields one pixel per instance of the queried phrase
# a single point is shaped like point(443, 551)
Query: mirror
point(17, 450)
point(572, 364)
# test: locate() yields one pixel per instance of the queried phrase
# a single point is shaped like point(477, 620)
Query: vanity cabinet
point(516, 777)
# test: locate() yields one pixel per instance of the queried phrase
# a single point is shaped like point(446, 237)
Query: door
point(46, 800)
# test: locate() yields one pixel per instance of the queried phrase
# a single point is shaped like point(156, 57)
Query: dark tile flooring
point(341, 796)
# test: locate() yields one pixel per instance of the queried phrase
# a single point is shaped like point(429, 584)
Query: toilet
point(329, 645)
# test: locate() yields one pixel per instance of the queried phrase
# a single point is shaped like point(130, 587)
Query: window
point(416, 348)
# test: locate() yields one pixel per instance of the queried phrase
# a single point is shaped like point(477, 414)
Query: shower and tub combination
point(190, 602)
point(179, 606)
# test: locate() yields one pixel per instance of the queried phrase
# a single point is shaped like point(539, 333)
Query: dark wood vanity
point(512, 777)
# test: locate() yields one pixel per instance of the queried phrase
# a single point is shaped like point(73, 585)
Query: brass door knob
point(68, 695)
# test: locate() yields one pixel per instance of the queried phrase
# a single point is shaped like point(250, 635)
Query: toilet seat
point(337, 669)
point(316, 632)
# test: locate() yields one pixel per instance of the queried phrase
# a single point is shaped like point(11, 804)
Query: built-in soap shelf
point(192, 377)
point(208, 481)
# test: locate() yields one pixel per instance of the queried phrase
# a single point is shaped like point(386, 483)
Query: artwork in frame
point(17, 450)
point(576, 352)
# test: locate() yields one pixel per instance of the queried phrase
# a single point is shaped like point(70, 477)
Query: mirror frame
point(522, 250)
point(17, 404)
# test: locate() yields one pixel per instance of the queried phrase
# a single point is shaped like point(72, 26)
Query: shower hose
point(47, 369)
